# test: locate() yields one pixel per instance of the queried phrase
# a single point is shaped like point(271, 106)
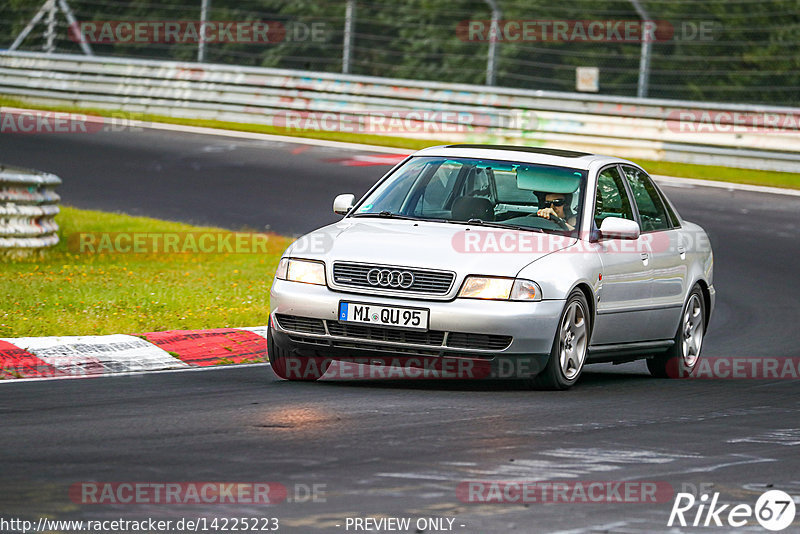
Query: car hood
point(465, 249)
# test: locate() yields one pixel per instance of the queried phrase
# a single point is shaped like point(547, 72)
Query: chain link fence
point(739, 51)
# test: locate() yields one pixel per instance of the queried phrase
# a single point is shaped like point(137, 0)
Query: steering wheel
point(559, 221)
point(555, 219)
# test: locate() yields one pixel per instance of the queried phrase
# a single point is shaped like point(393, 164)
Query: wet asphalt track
point(396, 448)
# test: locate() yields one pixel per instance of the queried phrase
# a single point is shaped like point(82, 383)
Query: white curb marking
point(258, 330)
point(89, 355)
point(272, 137)
point(684, 182)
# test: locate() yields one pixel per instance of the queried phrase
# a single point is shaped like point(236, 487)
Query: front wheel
point(682, 357)
point(570, 346)
point(290, 367)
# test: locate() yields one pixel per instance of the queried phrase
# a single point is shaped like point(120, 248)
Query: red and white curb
point(91, 356)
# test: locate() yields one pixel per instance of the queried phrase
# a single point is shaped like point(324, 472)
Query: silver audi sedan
point(496, 261)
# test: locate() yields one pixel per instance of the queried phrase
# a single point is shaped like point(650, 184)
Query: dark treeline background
point(750, 53)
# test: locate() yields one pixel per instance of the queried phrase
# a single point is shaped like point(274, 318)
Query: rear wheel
point(570, 346)
point(295, 368)
point(682, 357)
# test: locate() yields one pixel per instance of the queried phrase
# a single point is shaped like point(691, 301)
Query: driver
point(557, 204)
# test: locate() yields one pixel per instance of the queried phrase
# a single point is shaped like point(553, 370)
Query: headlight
point(305, 271)
point(484, 287)
point(494, 288)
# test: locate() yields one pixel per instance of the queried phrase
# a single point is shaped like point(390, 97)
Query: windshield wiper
point(481, 222)
point(388, 215)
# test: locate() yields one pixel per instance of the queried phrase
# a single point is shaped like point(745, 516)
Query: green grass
point(347, 137)
point(722, 174)
point(683, 170)
point(64, 292)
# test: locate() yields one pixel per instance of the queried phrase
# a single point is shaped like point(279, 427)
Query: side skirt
point(626, 352)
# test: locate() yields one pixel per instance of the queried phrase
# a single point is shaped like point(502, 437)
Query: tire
point(682, 357)
point(294, 368)
point(570, 346)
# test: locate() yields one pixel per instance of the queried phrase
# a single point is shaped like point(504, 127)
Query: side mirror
point(342, 204)
point(619, 228)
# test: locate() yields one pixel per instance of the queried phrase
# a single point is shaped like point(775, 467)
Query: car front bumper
point(531, 326)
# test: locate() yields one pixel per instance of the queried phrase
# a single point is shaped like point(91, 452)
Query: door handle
point(645, 257)
point(682, 252)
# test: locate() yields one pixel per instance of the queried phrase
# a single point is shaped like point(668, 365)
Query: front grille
point(309, 340)
point(305, 325)
point(376, 333)
point(425, 281)
point(463, 340)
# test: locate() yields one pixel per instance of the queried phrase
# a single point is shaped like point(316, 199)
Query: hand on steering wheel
point(559, 221)
point(550, 215)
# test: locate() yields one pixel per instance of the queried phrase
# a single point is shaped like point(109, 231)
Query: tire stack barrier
point(28, 206)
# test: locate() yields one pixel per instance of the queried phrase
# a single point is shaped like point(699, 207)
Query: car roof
point(522, 154)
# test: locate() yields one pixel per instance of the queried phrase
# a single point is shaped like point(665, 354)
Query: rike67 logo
point(774, 510)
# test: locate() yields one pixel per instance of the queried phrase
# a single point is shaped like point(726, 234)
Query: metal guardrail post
point(201, 42)
point(347, 47)
point(494, 29)
point(28, 206)
point(644, 58)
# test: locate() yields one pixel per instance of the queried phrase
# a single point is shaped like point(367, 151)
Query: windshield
point(517, 195)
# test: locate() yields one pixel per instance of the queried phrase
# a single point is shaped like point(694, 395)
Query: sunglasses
point(557, 203)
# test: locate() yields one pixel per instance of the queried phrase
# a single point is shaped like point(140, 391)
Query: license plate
point(353, 312)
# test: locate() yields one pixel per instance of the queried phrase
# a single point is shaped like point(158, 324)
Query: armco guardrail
point(28, 206)
point(758, 137)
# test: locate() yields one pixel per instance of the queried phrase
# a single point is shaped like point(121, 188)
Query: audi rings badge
point(392, 278)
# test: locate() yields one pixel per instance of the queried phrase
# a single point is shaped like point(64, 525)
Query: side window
point(651, 208)
point(673, 217)
point(612, 198)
